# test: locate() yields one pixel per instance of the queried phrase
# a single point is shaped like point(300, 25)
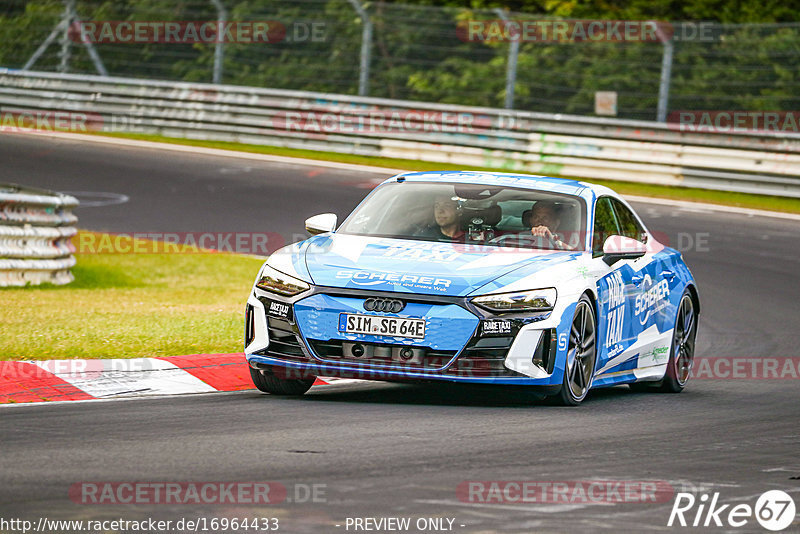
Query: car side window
point(605, 224)
point(628, 224)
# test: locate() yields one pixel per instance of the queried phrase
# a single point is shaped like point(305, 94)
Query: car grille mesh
point(283, 341)
point(484, 357)
point(378, 354)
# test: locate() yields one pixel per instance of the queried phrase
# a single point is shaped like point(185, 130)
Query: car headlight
point(274, 281)
point(537, 300)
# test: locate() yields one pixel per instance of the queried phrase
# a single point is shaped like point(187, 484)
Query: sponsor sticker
point(616, 309)
point(659, 354)
point(277, 309)
point(368, 278)
point(498, 328)
point(652, 299)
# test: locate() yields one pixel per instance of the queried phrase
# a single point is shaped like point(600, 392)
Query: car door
point(617, 293)
point(651, 279)
point(652, 314)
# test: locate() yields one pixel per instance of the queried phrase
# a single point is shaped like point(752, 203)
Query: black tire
point(269, 382)
point(681, 352)
point(583, 340)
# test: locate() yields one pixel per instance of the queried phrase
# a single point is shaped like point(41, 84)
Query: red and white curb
point(72, 380)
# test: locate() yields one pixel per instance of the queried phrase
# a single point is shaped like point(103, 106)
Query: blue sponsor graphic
point(652, 299)
point(408, 266)
point(638, 307)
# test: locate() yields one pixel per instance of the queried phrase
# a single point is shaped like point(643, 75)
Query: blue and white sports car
point(491, 278)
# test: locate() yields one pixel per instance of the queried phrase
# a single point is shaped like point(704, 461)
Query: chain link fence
point(423, 53)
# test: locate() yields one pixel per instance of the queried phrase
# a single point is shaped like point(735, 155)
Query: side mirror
point(319, 224)
point(618, 247)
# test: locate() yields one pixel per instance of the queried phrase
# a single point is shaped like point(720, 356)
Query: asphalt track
point(398, 450)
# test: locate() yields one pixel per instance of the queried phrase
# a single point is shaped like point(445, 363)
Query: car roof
point(528, 181)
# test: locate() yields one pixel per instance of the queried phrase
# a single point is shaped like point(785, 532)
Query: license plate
point(378, 325)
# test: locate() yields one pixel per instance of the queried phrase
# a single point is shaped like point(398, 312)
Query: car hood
point(407, 266)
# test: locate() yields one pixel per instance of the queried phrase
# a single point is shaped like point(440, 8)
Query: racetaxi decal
point(616, 310)
point(653, 298)
point(367, 278)
point(426, 252)
point(276, 309)
point(498, 328)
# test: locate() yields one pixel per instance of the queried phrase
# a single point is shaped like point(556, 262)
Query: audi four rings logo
point(384, 305)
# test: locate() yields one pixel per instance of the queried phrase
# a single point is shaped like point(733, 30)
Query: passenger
point(448, 221)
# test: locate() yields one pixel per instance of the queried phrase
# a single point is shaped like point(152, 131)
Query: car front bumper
point(463, 343)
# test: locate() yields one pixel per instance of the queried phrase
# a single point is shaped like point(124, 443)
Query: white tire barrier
point(36, 228)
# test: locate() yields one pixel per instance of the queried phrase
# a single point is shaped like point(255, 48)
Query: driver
point(446, 215)
point(544, 221)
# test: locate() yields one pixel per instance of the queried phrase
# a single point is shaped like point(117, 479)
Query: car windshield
point(470, 213)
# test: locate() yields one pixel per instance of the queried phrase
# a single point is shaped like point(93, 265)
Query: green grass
point(764, 202)
point(130, 306)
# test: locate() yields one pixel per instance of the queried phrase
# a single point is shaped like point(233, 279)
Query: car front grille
point(283, 342)
point(484, 357)
point(381, 354)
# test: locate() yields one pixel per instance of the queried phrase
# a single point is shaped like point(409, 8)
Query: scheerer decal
point(367, 278)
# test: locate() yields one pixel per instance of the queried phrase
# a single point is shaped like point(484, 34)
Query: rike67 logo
point(774, 510)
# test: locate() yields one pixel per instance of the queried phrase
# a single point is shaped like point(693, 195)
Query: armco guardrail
point(35, 231)
point(563, 145)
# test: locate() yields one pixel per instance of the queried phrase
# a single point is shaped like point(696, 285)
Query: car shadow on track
point(455, 395)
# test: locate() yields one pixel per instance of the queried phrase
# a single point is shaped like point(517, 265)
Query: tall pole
point(219, 48)
point(511, 64)
point(66, 46)
point(366, 48)
point(666, 74)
